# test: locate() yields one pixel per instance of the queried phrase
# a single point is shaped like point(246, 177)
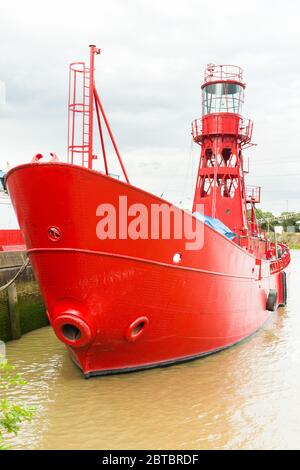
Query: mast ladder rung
point(84, 99)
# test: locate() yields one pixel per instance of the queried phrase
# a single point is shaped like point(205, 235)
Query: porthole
point(177, 258)
point(54, 233)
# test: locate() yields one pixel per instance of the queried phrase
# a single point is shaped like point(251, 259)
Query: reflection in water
point(245, 397)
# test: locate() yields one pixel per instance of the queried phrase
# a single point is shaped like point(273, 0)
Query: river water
point(247, 397)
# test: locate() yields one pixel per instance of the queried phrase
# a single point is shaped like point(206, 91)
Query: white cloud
point(149, 74)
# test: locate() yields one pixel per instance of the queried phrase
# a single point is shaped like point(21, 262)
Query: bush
point(11, 414)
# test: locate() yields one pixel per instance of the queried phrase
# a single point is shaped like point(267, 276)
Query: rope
point(9, 283)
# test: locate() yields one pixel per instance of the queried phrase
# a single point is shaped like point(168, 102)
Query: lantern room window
point(223, 97)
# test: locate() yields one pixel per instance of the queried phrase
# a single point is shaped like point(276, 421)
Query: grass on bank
point(292, 239)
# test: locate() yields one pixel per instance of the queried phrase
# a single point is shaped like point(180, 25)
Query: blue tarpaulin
point(216, 224)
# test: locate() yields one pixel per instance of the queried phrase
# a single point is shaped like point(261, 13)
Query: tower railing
point(197, 129)
point(253, 194)
point(244, 129)
point(223, 73)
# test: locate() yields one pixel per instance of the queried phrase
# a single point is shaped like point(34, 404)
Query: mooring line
point(22, 268)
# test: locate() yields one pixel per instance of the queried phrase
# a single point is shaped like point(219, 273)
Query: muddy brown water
point(246, 397)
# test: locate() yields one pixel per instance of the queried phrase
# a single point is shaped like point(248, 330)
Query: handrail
point(253, 193)
point(223, 72)
point(244, 132)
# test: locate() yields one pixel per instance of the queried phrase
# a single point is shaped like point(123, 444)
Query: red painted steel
point(218, 73)
point(98, 104)
point(84, 106)
point(11, 240)
point(125, 304)
point(253, 194)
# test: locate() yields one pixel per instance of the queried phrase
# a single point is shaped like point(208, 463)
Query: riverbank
point(292, 239)
point(21, 305)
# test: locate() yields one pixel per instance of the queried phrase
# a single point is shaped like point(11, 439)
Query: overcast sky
point(149, 75)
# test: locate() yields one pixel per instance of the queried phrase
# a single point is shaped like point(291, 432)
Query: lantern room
point(223, 89)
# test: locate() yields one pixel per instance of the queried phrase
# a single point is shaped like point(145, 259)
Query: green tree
point(263, 215)
point(290, 219)
point(11, 414)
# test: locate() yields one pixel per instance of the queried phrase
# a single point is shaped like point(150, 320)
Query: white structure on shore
point(8, 220)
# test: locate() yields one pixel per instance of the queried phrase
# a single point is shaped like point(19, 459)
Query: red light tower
point(222, 133)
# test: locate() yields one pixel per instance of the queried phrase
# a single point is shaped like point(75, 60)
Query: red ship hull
point(131, 305)
point(11, 240)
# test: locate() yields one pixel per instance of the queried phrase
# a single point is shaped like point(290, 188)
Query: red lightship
point(124, 303)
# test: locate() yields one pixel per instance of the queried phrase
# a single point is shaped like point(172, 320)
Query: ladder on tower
point(78, 114)
point(83, 101)
point(86, 113)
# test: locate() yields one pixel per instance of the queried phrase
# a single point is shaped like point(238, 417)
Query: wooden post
point(14, 311)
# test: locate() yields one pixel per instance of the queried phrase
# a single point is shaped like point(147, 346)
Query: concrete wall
point(21, 307)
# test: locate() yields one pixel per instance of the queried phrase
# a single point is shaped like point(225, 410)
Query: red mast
point(222, 133)
point(83, 102)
